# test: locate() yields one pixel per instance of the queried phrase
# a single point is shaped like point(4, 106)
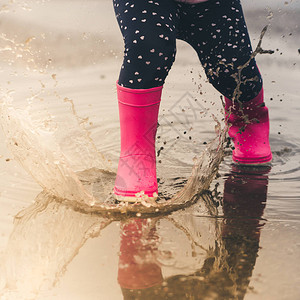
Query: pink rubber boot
point(138, 111)
point(249, 130)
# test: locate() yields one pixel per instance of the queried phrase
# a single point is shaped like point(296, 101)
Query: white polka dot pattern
point(216, 29)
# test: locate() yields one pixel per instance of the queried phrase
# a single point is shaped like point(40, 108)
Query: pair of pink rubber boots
point(138, 111)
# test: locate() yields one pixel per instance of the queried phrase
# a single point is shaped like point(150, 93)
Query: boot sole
point(135, 198)
point(258, 162)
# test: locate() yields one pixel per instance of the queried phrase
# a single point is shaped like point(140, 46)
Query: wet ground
point(239, 240)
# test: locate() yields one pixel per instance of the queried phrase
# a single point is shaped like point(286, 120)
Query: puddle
point(218, 231)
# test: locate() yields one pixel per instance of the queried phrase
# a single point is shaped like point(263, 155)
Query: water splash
point(36, 145)
point(59, 153)
point(62, 158)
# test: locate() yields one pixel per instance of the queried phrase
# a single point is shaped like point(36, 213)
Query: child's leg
point(217, 31)
point(148, 29)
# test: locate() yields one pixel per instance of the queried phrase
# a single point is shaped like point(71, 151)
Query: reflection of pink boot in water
point(137, 266)
point(138, 110)
point(249, 129)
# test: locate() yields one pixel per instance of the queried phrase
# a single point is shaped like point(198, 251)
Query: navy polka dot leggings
point(216, 29)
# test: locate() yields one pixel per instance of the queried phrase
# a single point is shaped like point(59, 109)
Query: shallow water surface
point(236, 239)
